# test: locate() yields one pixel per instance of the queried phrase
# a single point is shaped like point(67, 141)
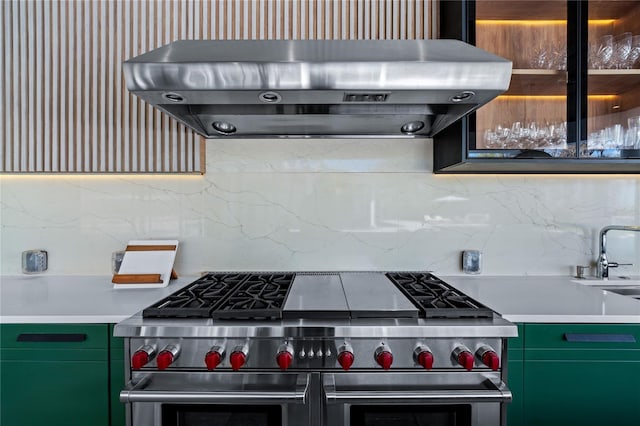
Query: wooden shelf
point(532, 10)
point(611, 9)
point(519, 10)
point(538, 82)
point(613, 82)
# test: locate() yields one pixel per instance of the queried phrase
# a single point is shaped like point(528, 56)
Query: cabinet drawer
point(582, 336)
point(517, 343)
point(53, 336)
point(54, 393)
point(581, 393)
point(116, 345)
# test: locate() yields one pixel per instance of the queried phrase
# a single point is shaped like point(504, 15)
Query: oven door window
point(411, 415)
point(221, 415)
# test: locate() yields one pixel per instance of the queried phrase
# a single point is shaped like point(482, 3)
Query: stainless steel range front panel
point(319, 399)
point(136, 326)
point(155, 398)
point(314, 354)
point(446, 397)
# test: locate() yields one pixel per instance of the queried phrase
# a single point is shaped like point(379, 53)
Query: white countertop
point(92, 299)
point(547, 299)
point(74, 299)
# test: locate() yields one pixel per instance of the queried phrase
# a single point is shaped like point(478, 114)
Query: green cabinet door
point(582, 374)
point(515, 378)
point(118, 417)
point(116, 380)
point(515, 382)
point(54, 375)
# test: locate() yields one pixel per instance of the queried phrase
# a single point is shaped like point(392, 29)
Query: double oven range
point(343, 348)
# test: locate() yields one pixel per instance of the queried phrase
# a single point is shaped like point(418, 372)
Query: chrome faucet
point(603, 265)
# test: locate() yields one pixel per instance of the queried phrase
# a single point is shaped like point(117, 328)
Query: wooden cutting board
point(146, 264)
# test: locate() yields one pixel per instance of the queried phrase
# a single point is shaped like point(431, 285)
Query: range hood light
point(173, 97)
point(224, 127)
point(270, 97)
point(412, 127)
point(464, 96)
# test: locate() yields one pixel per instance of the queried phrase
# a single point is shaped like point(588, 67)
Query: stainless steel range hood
point(320, 88)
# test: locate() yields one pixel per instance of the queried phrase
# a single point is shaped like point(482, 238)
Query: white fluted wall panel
point(64, 104)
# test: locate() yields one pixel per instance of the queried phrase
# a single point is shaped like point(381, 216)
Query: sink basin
point(624, 287)
point(611, 282)
point(633, 291)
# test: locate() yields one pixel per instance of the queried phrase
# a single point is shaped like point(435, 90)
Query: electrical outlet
point(116, 260)
point(472, 261)
point(34, 261)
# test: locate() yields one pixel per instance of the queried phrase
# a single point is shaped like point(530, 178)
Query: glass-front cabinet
point(613, 82)
point(573, 104)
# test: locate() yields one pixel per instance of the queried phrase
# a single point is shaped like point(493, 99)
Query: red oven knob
point(214, 357)
point(384, 357)
point(284, 356)
point(464, 357)
point(345, 359)
point(425, 359)
point(345, 356)
point(284, 360)
point(142, 356)
point(237, 359)
point(139, 360)
point(167, 356)
point(489, 357)
point(423, 356)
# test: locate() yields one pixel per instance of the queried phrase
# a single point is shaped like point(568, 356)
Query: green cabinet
point(54, 375)
point(515, 377)
point(116, 379)
point(61, 374)
point(560, 374)
point(581, 374)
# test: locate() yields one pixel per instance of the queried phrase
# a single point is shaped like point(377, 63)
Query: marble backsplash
point(322, 205)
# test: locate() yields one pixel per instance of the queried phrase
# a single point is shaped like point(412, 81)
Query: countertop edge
point(43, 299)
point(573, 319)
point(62, 319)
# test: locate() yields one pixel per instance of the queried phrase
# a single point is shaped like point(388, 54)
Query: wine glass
point(621, 50)
point(604, 54)
point(634, 54)
point(539, 59)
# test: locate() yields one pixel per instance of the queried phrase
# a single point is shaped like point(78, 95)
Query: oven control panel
point(165, 354)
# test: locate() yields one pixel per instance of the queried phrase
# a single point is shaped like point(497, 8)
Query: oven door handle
point(136, 392)
point(496, 393)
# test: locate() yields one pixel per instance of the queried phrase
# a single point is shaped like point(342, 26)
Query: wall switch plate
point(34, 261)
point(471, 261)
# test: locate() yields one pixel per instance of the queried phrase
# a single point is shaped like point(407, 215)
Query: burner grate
point(260, 296)
point(198, 299)
point(437, 299)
